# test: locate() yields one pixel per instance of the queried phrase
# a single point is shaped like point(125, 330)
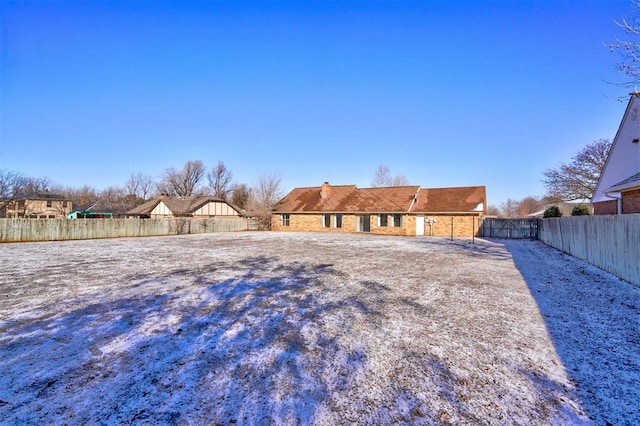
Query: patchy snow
point(288, 328)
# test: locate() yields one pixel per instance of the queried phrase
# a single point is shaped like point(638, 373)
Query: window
point(285, 220)
point(397, 220)
point(49, 203)
point(383, 220)
point(64, 204)
point(326, 220)
point(338, 220)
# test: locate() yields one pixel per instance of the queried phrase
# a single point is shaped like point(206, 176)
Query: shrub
point(552, 211)
point(580, 211)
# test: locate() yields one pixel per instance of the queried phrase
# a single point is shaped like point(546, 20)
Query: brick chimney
point(325, 191)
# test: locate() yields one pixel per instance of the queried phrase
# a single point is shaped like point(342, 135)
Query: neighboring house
point(39, 205)
point(87, 214)
point(565, 209)
point(196, 206)
point(104, 208)
point(618, 190)
point(399, 210)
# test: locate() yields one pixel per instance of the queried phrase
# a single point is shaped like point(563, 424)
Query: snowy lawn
point(285, 328)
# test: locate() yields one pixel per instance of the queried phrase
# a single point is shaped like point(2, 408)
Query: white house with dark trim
point(618, 190)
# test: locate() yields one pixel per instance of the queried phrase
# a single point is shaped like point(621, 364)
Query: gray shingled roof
point(43, 196)
point(630, 180)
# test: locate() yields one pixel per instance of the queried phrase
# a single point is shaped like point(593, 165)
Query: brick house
point(39, 205)
point(400, 210)
point(195, 206)
point(618, 189)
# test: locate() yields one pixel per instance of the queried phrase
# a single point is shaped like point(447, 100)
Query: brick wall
point(312, 223)
point(631, 202)
point(463, 225)
point(315, 223)
point(605, 207)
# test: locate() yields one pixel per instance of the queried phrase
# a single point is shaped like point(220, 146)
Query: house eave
point(617, 189)
point(342, 212)
point(470, 212)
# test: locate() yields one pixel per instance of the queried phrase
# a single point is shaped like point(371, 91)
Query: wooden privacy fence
point(15, 230)
point(509, 228)
point(611, 243)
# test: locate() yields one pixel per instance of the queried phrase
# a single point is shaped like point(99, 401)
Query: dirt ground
point(288, 328)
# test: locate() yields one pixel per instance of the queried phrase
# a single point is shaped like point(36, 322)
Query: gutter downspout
point(618, 197)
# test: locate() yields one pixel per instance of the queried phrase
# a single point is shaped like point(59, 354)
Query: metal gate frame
point(510, 228)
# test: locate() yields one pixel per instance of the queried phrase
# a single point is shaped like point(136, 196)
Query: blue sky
point(446, 93)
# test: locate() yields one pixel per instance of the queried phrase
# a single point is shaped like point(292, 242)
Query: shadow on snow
point(594, 323)
point(254, 349)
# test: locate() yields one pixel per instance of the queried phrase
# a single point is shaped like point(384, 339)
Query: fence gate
point(509, 228)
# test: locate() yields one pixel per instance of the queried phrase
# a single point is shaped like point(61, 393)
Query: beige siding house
point(401, 210)
point(38, 206)
point(196, 207)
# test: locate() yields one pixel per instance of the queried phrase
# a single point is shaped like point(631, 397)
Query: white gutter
point(616, 192)
point(618, 197)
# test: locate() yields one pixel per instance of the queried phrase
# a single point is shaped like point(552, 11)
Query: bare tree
point(264, 196)
point(627, 50)
point(132, 186)
point(509, 208)
point(33, 185)
point(12, 185)
point(383, 178)
point(399, 180)
point(115, 199)
point(220, 179)
point(145, 187)
point(182, 183)
point(240, 195)
point(82, 197)
point(529, 205)
point(492, 210)
point(113, 194)
point(578, 179)
point(138, 187)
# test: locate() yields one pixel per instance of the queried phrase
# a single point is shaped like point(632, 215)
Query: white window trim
point(324, 220)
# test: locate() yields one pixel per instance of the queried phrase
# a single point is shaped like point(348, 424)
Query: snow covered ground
point(286, 328)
